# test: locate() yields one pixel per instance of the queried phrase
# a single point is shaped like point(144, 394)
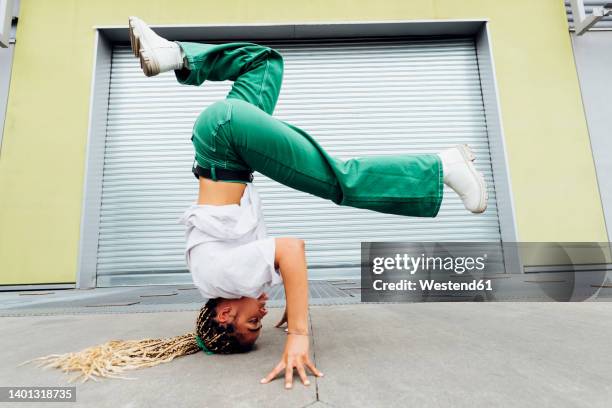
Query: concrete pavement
point(425, 354)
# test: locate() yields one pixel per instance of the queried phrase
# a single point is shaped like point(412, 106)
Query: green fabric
point(239, 133)
point(202, 346)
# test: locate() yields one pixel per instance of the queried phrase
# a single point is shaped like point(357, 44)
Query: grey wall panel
point(593, 53)
point(6, 65)
point(497, 144)
point(356, 98)
point(501, 173)
point(94, 164)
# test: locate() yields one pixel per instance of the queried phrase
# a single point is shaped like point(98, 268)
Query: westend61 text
point(430, 284)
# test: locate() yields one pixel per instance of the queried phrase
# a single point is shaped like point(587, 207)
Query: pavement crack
point(314, 354)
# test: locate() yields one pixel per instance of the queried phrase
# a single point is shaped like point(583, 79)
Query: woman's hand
point(294, 356)
point(290, 255)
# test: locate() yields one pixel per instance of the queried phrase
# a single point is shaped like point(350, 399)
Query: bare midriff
point(220, 192)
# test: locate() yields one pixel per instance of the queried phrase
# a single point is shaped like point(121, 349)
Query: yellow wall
point(43, 154)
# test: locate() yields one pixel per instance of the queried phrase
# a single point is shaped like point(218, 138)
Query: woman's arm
point(292, 264)
point(291, 259)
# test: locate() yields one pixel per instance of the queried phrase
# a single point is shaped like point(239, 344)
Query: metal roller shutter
point(589, 5)
point(356, 98)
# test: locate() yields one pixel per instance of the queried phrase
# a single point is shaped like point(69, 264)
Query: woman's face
point(249, 314)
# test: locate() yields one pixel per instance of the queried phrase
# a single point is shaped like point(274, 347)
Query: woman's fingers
point(302, 373)
point(275, 371)
point(291, 364)
point(289, 375)
point(313, 369)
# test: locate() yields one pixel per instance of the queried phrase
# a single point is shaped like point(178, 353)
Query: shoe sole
point(140, 49)
point(469, 157)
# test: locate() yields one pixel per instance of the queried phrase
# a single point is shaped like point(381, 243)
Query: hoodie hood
point(222, 222)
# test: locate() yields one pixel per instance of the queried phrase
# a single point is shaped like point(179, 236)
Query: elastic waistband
point(222, 174)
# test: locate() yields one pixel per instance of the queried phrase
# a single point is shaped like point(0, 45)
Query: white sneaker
point(461, 175)
point(156, 53)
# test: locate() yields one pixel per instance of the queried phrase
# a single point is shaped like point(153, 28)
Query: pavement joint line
point(327, 404)
point(314, 354)
point(182, 307)
point(317, 403)
point(114, 304)
point(185, 307)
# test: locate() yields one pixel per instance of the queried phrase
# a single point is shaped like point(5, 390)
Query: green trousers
point(240, 133)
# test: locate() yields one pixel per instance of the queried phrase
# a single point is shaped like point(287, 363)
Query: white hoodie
point(228, 251)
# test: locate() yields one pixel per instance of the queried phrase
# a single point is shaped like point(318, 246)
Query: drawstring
point(213, 174)
point(202, 346)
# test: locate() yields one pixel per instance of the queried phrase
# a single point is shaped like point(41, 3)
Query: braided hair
point(114, 357)
point(218, 338)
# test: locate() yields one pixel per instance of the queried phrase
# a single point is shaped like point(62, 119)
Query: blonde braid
point(113, 358)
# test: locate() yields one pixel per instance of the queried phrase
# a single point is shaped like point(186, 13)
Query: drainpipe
point(9, 11)
point(582, 22)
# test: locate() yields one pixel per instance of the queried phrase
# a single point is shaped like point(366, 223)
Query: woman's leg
point(401, 184)
point(257, 71)
point(240, 134)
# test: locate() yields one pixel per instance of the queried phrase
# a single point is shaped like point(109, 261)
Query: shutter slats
point(384, 97)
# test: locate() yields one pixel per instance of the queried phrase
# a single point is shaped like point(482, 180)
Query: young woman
point(228, 253)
